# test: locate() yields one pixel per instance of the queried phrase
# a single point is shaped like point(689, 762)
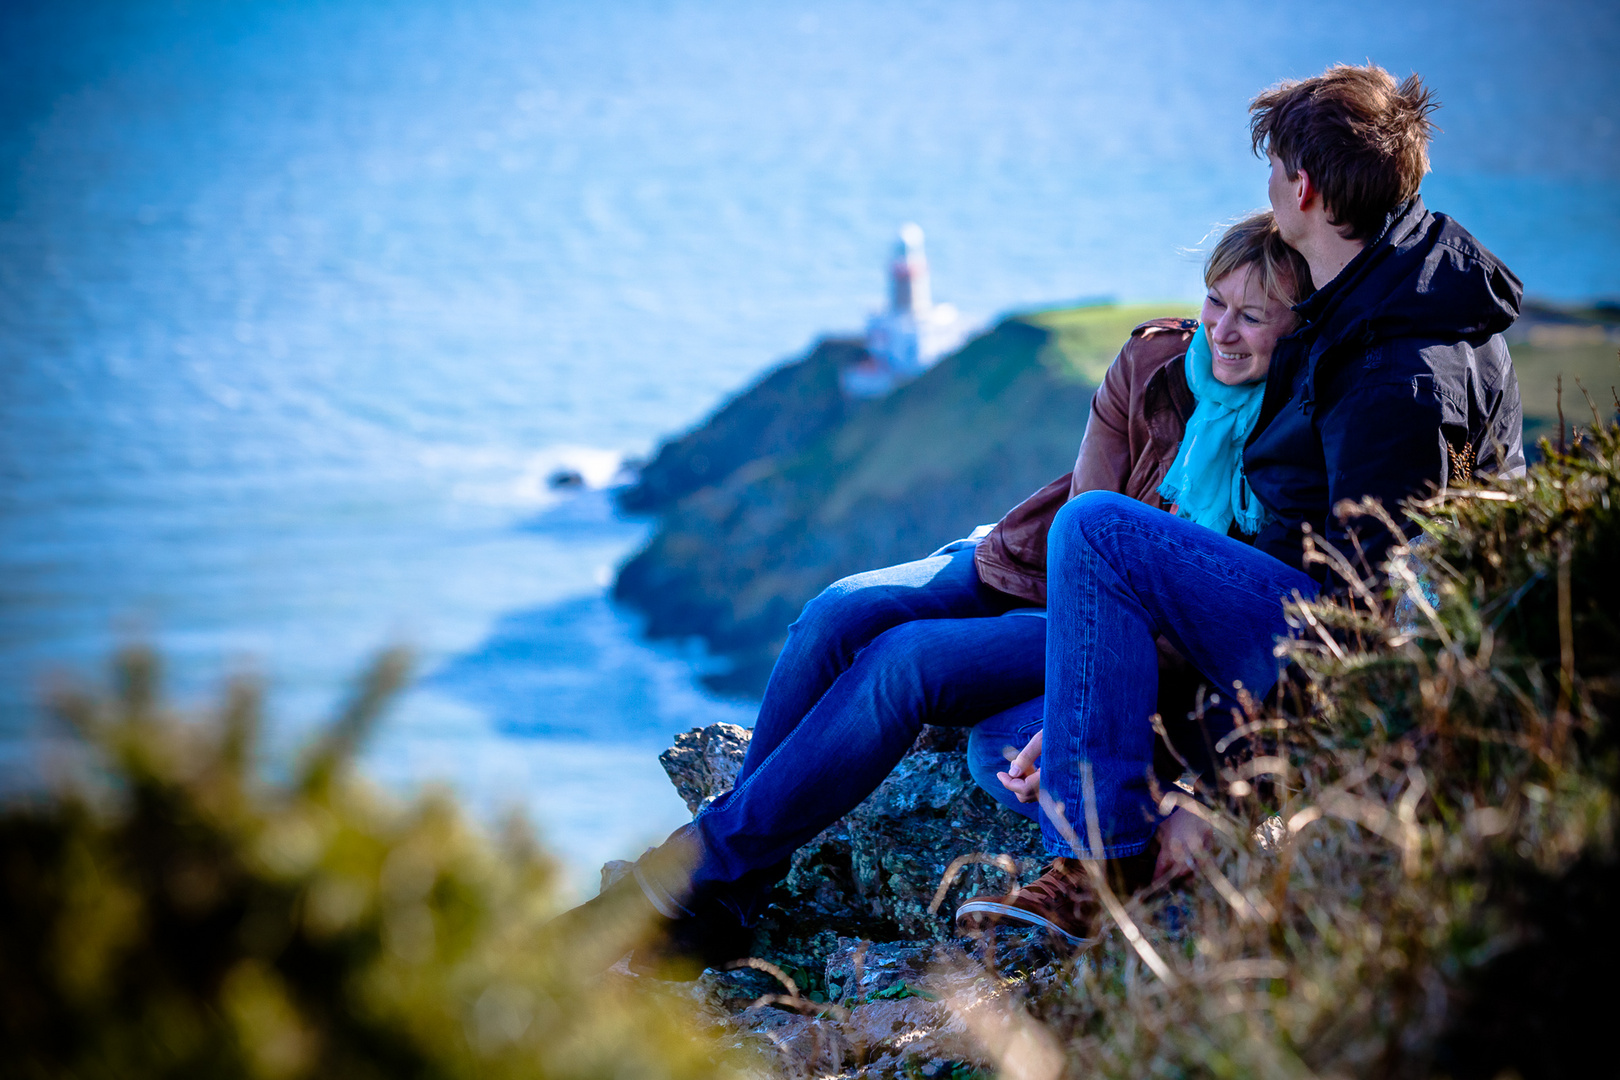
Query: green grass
point(1595, 366)
point(1085, 340)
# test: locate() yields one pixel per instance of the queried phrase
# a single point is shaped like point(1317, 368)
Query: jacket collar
point(1333, 309)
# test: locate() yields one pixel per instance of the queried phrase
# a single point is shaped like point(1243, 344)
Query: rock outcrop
point(704, 762)
point(877, 868)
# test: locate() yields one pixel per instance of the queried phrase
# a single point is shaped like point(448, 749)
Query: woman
point(1167, 427)
point(939, 641)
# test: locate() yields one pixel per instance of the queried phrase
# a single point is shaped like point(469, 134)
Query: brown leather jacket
point(1138, 416)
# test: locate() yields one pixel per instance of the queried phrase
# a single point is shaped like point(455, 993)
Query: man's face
point(1284, 202)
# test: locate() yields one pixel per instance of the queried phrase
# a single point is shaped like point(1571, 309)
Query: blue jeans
point(877, 655)
point(867, 663)
point(1119, 574)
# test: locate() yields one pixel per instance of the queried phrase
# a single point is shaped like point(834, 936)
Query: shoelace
point(1056, 886)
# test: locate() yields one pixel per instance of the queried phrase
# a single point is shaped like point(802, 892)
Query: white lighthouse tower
point(908, 274)
point(904, 340)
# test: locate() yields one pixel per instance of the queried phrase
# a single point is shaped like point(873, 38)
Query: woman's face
point(1243, 324)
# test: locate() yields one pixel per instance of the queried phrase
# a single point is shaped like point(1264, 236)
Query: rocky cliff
point(888, 989)
point(789, 487)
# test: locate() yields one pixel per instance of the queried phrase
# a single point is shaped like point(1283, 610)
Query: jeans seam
point(1207, 560)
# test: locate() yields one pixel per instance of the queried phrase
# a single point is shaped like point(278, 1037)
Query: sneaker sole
point(1005, 913)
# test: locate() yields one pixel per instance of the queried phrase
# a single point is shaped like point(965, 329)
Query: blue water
point(300, 303)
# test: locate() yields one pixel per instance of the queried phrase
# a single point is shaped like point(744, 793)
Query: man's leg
point(1119, 574)
point(835, 626)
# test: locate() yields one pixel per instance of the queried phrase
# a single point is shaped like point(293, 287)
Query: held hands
point(1023, 775)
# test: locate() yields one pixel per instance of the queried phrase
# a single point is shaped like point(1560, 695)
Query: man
point(1397, 383)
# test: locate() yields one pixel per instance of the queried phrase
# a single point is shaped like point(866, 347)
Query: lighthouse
point(913, 333)
point(908, 275)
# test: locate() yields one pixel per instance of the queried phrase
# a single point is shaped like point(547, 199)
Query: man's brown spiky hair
point(1362, 138)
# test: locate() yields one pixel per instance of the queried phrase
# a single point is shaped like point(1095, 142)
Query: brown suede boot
point(1061, 900)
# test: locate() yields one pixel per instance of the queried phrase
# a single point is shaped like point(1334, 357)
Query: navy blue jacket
point(1397, 383)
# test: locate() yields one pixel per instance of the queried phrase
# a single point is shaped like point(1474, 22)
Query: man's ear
point(1305, 191)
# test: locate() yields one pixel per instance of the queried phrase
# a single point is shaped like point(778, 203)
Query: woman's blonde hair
point(1284, 274)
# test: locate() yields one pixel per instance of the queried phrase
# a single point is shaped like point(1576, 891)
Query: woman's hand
point(1023, 775)
point(1183, 836)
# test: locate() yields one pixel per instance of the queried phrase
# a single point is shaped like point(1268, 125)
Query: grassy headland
point(883, 482)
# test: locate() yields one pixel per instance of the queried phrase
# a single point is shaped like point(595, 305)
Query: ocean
point(301, 303)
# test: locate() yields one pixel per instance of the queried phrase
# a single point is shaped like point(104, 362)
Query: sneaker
point(1060, 901)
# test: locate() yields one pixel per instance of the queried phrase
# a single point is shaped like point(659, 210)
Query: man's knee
point(1078, 522)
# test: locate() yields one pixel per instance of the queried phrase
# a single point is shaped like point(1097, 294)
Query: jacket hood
point(1425, 277)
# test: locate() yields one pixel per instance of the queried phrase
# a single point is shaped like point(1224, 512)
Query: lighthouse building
point(913, 333)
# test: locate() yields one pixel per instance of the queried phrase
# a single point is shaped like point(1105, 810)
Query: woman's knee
point(844, 615)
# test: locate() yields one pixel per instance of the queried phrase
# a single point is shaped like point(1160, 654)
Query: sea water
point(301, 303)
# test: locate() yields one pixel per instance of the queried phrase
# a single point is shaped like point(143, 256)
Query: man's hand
point(1023, 775)
point(1183, 836)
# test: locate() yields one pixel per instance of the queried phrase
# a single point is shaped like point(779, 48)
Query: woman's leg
point(938, 671)
point(987, 750)
point(835, 626)
point(1120, 573)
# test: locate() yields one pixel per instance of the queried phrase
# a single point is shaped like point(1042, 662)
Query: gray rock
point(704, 762)
point(882, 863)
point(859, 969)
point(903, 838)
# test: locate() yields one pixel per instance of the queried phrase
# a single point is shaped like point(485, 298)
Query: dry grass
point(1438, 757)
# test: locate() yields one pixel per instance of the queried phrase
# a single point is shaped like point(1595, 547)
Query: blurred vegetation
point(1548, 371)
point(169, 912)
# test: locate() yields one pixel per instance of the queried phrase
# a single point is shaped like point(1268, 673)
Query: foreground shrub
point(171, 913)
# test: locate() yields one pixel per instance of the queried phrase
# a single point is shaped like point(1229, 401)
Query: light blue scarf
point(1206, 480)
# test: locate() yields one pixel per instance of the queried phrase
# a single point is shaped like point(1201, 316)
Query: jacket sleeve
point(1383, 437)
point(1105, 458)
